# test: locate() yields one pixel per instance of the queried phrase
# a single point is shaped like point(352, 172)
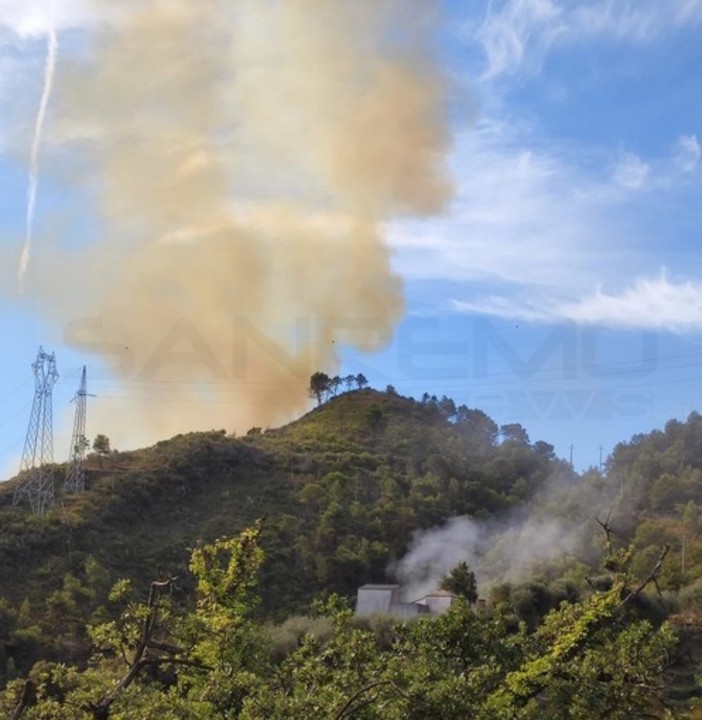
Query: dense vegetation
point(342, 490)
point(590, 659)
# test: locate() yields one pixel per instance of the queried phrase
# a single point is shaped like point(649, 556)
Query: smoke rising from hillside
point(559, 523)
point(497, 551)
point(241, 159)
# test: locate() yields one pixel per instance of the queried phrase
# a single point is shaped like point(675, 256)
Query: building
point(438, 601)
point(371, 599)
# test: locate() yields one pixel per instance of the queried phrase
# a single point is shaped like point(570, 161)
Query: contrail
point(49, 67)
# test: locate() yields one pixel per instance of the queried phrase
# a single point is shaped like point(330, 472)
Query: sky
point(557, 283)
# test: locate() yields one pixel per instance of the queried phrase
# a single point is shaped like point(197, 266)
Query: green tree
point(514, 432)
point(478, 428)
point(335, 384)
point(461, 581)
point(319, 386)
point(101, 444)
point(447, 408)
point(589, 659)
point(209, 653)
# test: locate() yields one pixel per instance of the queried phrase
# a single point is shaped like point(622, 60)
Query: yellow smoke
point(241, 159)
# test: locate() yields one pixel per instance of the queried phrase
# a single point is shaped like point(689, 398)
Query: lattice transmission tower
point(37, 485)
point(75, 472)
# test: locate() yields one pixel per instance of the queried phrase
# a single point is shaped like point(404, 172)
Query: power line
point(37, 485)
point(75, 472)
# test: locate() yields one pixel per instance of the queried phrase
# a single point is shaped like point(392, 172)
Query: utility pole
point(75, 472)
point(571, 455)
point(37, 485)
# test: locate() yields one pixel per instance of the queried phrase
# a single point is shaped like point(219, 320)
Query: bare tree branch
point(101, 709)
point(347, 710)
point(651, 577)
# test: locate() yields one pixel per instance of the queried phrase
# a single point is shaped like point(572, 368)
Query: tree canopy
point(208, 659)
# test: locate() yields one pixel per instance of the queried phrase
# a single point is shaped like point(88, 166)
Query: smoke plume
point(49, 69)
point(234, 164)
point(506, 550)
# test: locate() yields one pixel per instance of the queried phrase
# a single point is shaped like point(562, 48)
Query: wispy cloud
point(637, 20)
point(544, 229)
point(519, 216)
point(630, 171)
point(687, 153)
point(521, 31)
point(650, 303)
point(516, 35)
point(538, 216)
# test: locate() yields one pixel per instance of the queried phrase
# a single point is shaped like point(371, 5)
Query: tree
point(477, 426)
point(544, 449)
point(447, 408)
point(319, 385)
point(361, 381)
point(514, 432)
point(375, 418)
point(461, 581)
point(211, 654)
point(101, 444)
point(589, 659)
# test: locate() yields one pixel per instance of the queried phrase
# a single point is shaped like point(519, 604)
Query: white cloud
point(621, 19)
point(543, 227)
point(687, 153)
point(516, 35)
point(521, 215)
point(648, 304)
point(688, 11)
point(31, 18)
point(631, 172)
point(638, 20)
point(523, 29)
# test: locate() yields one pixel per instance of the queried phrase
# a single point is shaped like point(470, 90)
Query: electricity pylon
point(37, 485)
point(75, 472)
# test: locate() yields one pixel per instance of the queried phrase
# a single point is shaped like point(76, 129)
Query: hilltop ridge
point(343, 488)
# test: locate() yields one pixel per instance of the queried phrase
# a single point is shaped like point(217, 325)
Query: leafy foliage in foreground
point(588, 660)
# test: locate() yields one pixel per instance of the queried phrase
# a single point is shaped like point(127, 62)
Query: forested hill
point(341, 492)
point(656, 480)
point(342, 489)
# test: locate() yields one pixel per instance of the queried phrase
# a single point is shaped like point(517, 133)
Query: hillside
point(342, 490)
point(143, 509)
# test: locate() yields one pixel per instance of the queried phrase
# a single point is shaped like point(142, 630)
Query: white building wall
point(376, 598)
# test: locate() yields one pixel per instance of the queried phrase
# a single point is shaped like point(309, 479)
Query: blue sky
point(560, 288)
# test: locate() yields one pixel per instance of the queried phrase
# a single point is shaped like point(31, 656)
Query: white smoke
point(496, 551)
point(49, 70)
